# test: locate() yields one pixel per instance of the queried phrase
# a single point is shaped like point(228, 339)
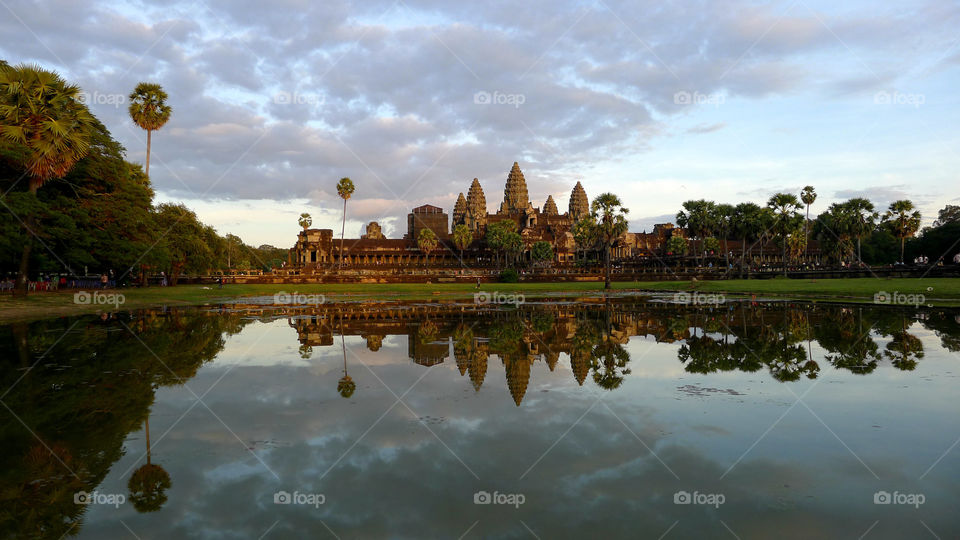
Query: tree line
point(73, 203)
point(848, 232)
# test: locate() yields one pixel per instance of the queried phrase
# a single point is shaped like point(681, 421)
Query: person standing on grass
point(103, 281)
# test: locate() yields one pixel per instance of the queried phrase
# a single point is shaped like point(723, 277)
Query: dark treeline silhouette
point(851, 232)
point(81, 396)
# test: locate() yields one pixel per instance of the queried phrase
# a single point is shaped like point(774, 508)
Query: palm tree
point(723, 214)
point(427, 242)
point(611, 222)
point(345, 386)
point(745, 224)
point(784, 207)
point(345, 190)
point(149, 110)
point(305, 221)
point(149, 483)
point(42, 113)
point(808, 195)
point(863, 219)
point(901, 222)
point(462, 237)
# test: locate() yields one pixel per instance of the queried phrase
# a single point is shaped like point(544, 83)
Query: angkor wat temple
point(317, 248)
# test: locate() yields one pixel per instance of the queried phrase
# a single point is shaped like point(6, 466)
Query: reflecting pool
point(626, 417)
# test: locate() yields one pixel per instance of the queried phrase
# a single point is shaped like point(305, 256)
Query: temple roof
point(579, 203)
point(427, 209)
point(476, 200)
point(550, 207)
point(515, 197)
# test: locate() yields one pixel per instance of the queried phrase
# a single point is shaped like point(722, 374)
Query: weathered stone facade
point(373, 232)
point(430, 217)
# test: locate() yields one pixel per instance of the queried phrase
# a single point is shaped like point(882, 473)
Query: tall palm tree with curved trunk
point(611, 221)
point(149, 110)
point(345, 189)
point(808, 195)
point(42, 113)
point(902, 220)
point(785, 207)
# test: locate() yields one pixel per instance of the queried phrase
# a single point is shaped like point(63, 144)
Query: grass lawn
point(938, 291)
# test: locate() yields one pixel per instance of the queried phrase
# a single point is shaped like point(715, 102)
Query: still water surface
point(631, 418)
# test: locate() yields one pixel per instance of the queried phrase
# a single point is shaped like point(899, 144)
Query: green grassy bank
point(937, 291)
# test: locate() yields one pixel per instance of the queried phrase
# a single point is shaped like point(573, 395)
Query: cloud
point(272, 105)
point(707, 128)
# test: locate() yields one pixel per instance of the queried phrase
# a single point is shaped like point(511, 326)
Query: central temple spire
point(515, 198)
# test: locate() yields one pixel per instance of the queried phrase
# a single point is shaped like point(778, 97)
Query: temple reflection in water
point(84, 395)
point(591, 336)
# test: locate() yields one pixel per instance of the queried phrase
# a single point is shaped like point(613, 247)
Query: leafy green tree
point(584, 234)
point(746, 225)
point(902, 220)
point(512, 246)
point(462, 237)
point(345, 190)
point(41, 113)
point(498, 237)
point(427, 242)
point(785, 209)
point(711, 244)
point(700, 219)
point(186, 242)
point(611, 222)
point(149, 110)
point(541, 252)
point(235, 251)
point(677, 245)
point(949, 214)
point(610, 363)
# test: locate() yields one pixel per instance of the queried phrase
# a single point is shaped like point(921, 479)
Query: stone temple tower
point(579, 204)
point(476, 214)
point(459, 210)
point(550, 207)
point(515, 198)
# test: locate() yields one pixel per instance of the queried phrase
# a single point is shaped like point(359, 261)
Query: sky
point(657, 102)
